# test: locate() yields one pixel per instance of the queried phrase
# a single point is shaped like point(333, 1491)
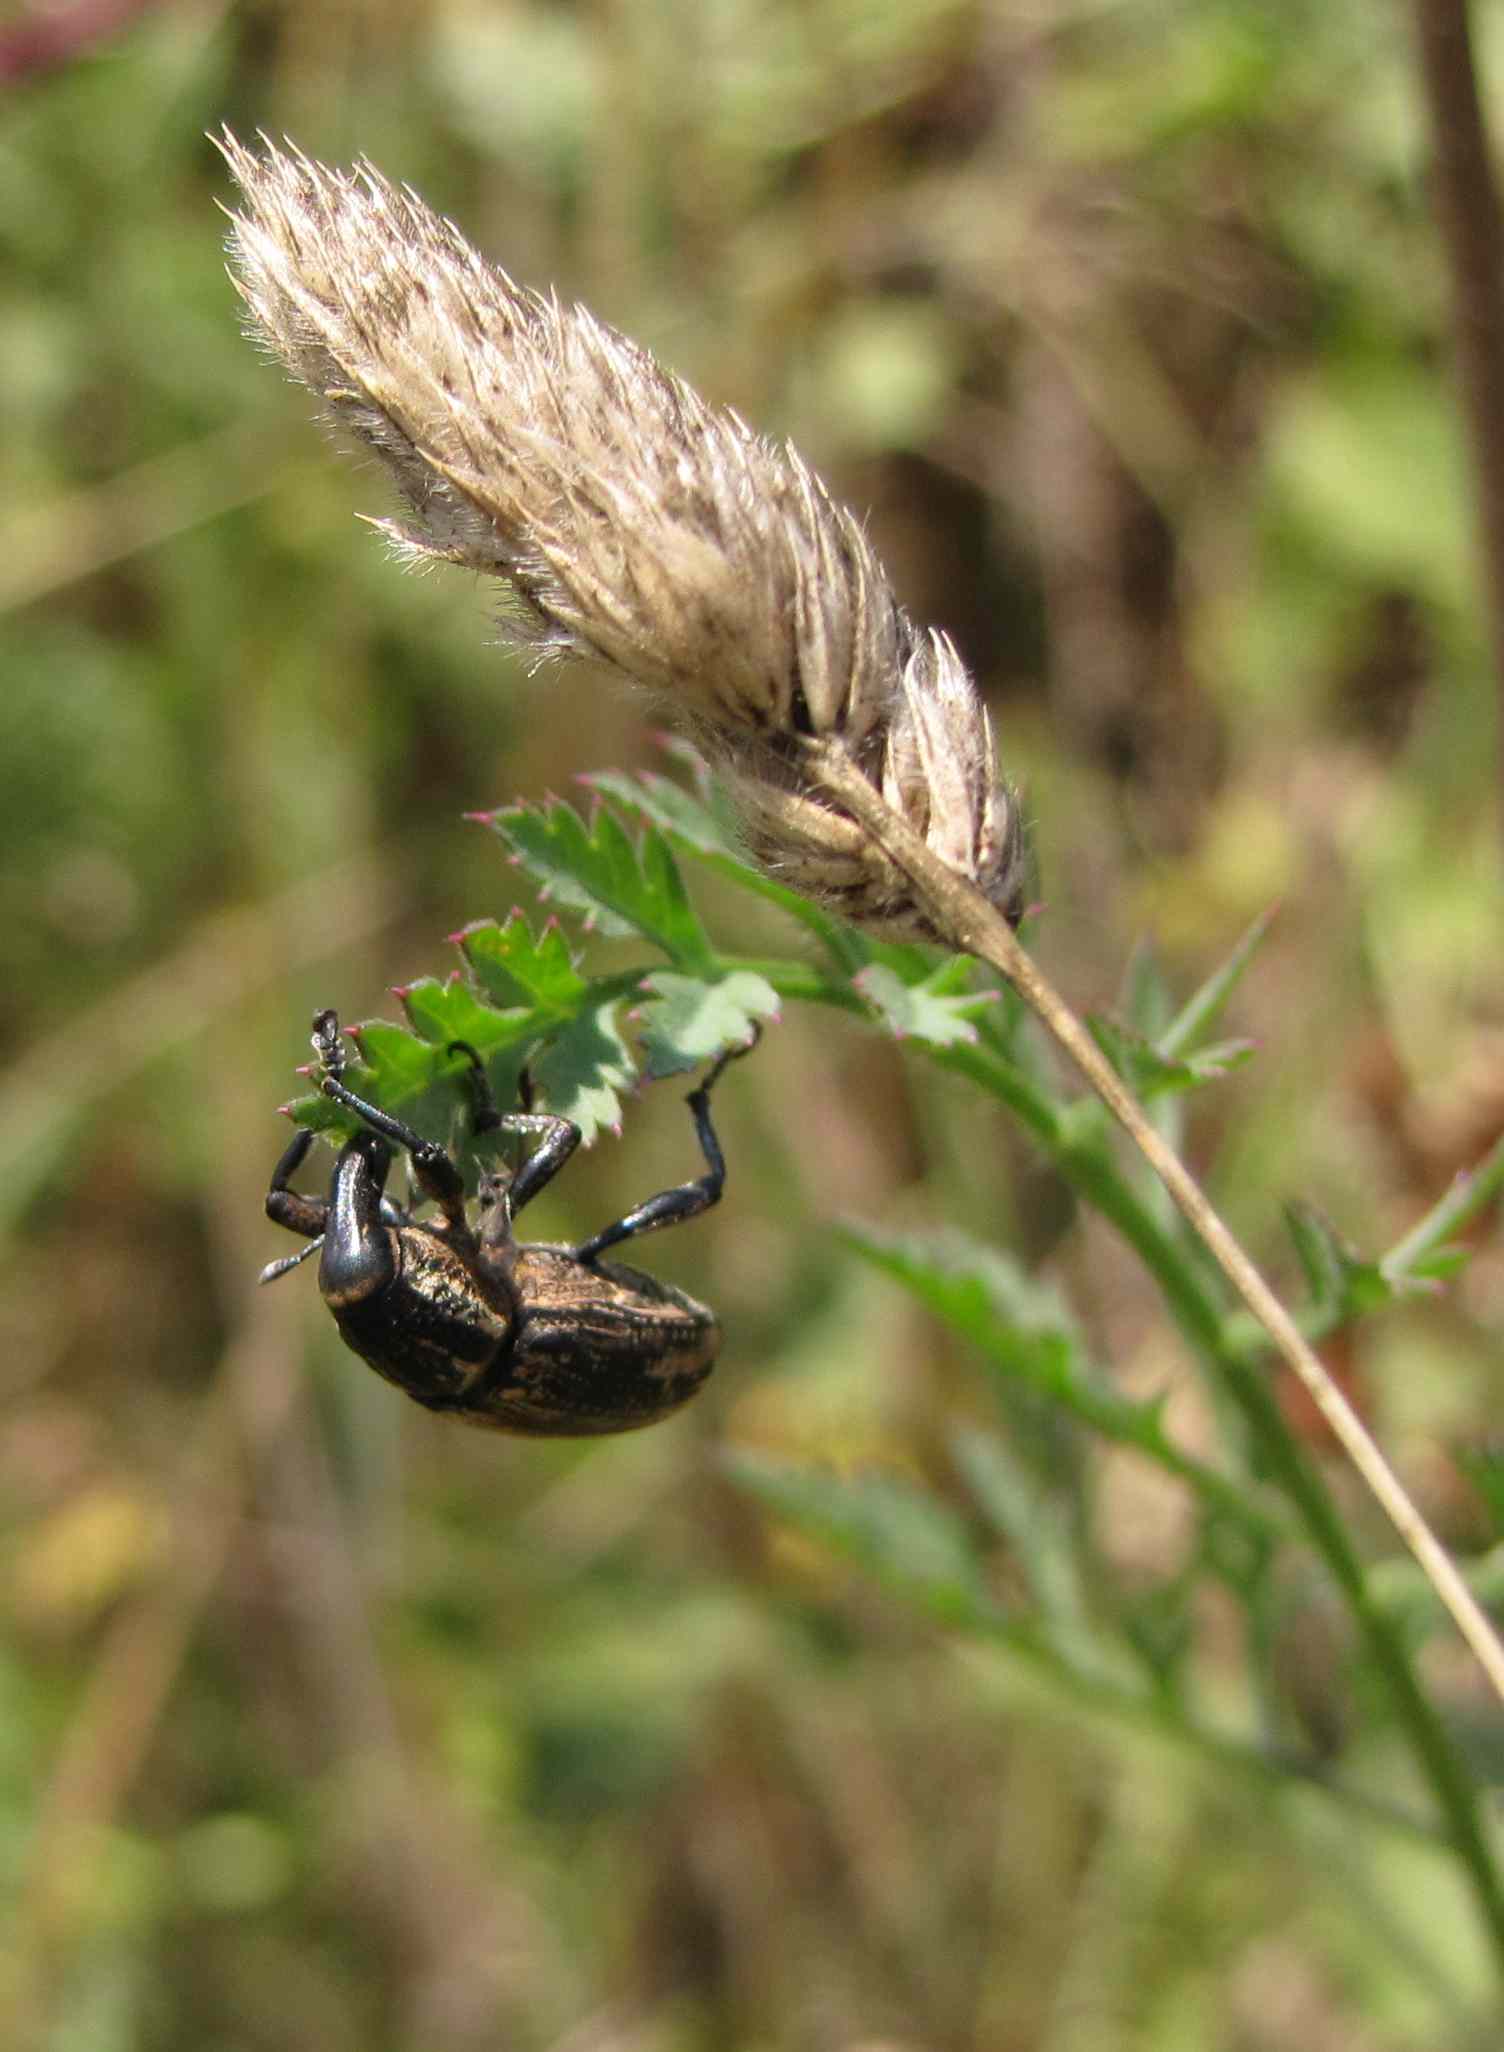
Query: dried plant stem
point(966, 919)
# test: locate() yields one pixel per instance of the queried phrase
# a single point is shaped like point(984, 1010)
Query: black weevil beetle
point(547, 1341)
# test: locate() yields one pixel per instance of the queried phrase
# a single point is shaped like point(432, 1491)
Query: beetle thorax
point(435, 1326)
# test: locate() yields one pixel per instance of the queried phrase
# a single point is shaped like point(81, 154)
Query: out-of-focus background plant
point(327, 1723)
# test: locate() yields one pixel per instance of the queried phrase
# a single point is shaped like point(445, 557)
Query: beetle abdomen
point(600, 1348)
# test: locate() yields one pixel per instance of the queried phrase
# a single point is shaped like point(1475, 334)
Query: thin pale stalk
point(1230, 1355)
point(970, 923)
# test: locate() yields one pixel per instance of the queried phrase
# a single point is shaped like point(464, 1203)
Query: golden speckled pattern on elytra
point(550, 1342)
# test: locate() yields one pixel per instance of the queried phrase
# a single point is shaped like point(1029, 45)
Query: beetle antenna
point(289, 1262)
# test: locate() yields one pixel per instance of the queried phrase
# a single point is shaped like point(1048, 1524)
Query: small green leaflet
point(1156, 1054)
point(682, 815)
point(687, 1021)
point(1150, 1074)
point(1432, 1247)
point(1023, 1331)
point(694, 828)
point(396, 1061)
point(899, 1532)
point(930, 1009)
point(1146, 1000)
point(1342, 1284)
point(443, 1012)
point(623, 889)
point(584, 1067)
point(1202, 1010)
point(513, 966)
point(1036, 1524)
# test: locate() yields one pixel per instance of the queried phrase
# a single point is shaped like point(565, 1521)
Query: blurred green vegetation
point(326, 1723)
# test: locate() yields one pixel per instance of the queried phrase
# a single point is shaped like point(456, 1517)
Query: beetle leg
point(485, 1118)
point(289, 1207)
point(687, 1200)
point(557, 1139)
point(434, 1172)
point(300, 1214)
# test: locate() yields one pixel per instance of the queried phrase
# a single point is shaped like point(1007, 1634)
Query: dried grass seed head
point(636, 526)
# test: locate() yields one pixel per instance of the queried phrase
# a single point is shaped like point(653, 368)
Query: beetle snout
point(375, 1152)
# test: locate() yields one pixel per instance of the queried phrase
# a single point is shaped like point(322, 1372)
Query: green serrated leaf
point(687, 818)
point(1200, 1012)
point(692, 825)
point(1219, 1058)
point(680, 749)
point(1468, 1198)
point(915, 962)
point(448, 1011)
point(688, 1020)
point(1146, 999)
point(1320, 1255)
point(983, 1295)
point(929, 1009)
point(1032, 1520)
point(1149, 1074)
point(515, 966)
point(415, 1076)
point(1441, 1264)
point(1341, 1283)
point(1024, 1333)
point(902, 1534)
point(318, 1115)
point(624, 889)
point(391, 1060)
point(584, 1068)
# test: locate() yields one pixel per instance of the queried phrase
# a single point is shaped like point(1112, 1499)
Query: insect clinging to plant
point(545, 1341)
